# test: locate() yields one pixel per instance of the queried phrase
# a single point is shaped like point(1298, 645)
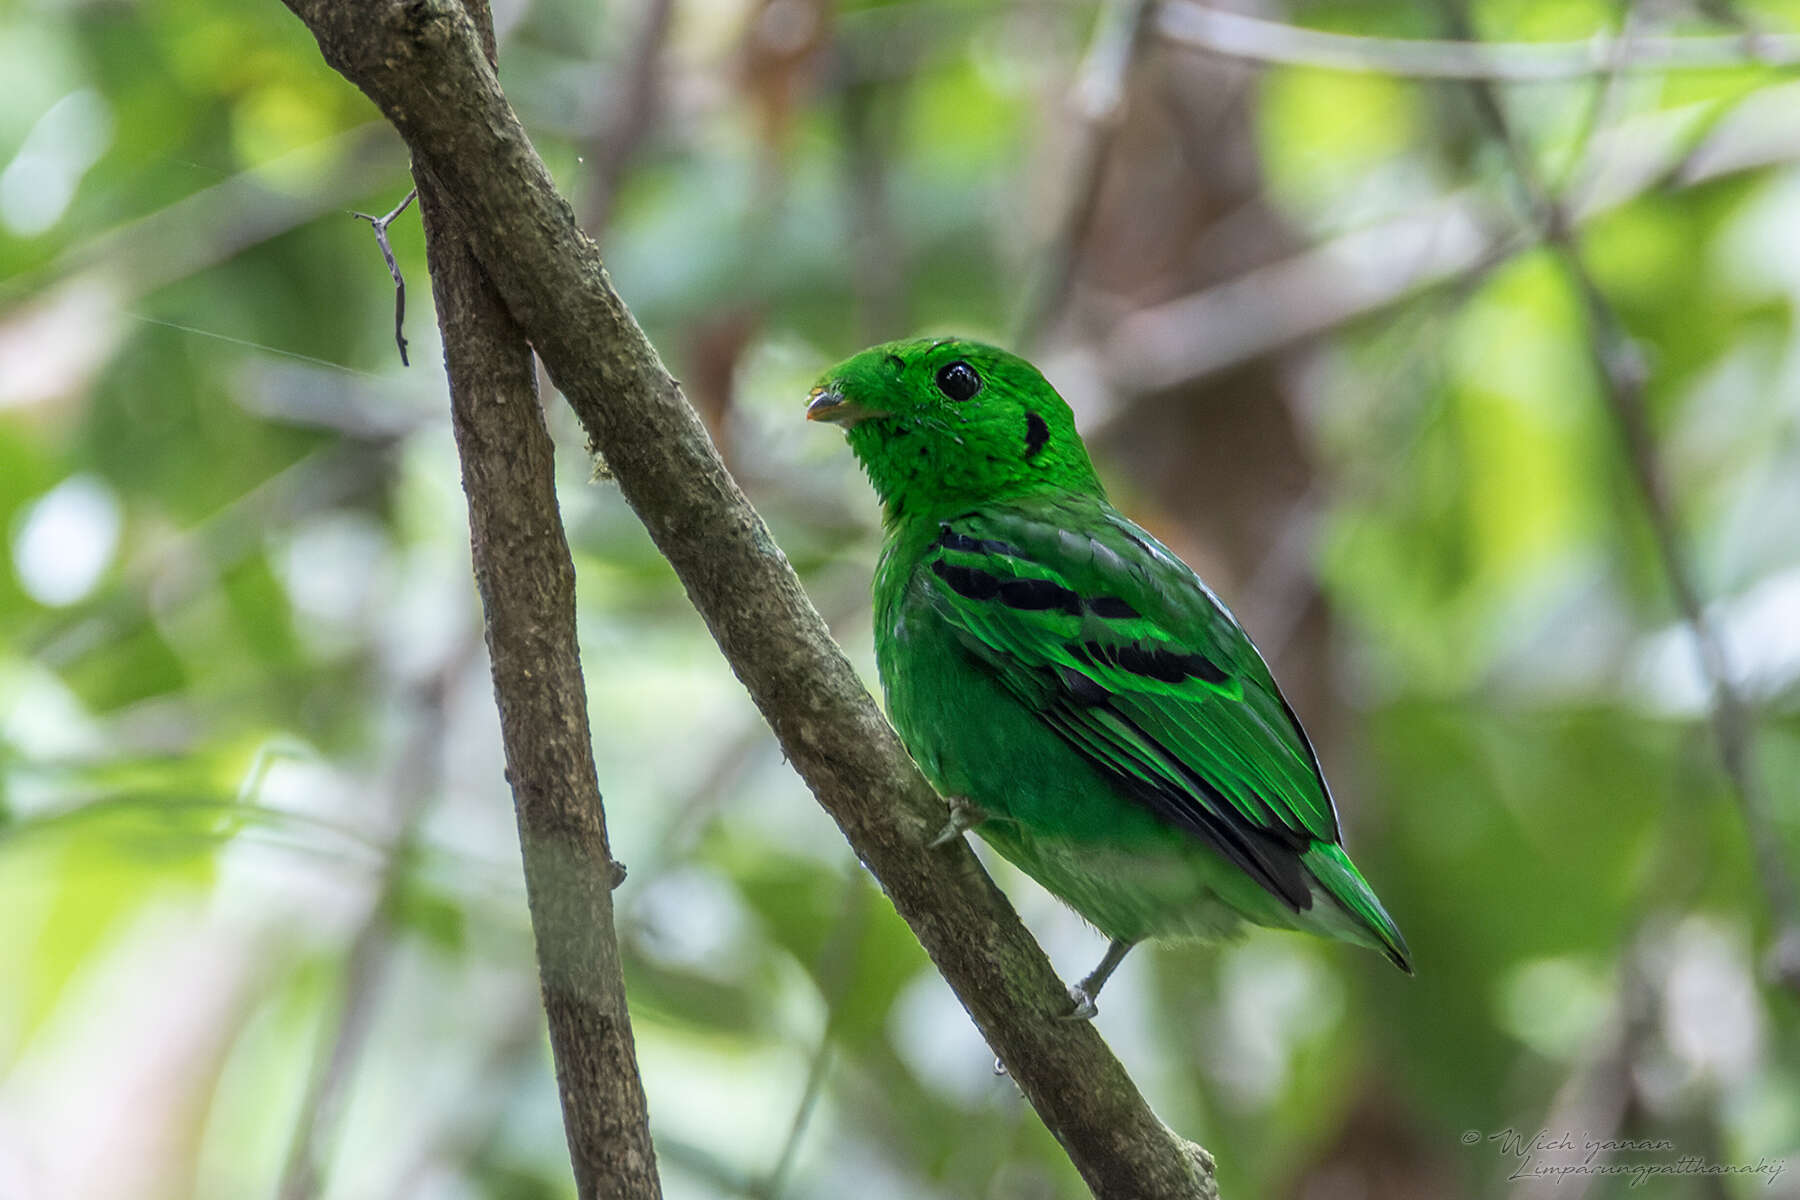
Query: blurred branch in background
point(1361, 273)
point(214, 224)
point(635, 113)
point(422, 65)
point(61, 320)
point(413, 780)
point(1603, 1094)
point(1622, 371)
point(1237, 36)
point(837, 964)
point(867, 112)
point(1098, 101)
point(181, 566)
point(452, 1151)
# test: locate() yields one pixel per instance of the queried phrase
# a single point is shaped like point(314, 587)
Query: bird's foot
point(1085, 1008)
point(1085, 994)
point(964, 816)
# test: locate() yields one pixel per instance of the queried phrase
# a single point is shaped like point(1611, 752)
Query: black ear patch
point(1036, 434)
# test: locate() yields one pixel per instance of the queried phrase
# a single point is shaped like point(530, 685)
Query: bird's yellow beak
point(829, 404)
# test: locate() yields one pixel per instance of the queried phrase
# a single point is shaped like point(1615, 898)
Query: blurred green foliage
point(245, 723)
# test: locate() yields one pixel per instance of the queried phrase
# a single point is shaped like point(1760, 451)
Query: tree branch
point(421, 63)
point(527, 584)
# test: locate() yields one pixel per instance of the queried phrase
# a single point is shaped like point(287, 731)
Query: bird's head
point(943, 424)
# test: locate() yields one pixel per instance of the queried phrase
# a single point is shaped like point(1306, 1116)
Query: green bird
point(1083, 700)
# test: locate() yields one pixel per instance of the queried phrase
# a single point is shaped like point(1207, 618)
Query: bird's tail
point(1339, 876)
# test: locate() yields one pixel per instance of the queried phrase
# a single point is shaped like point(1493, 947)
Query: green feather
point(1055, 665)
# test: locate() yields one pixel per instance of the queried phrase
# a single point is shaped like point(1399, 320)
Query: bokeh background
point(262, 930)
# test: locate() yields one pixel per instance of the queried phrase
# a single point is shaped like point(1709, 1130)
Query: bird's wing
point(1123, 652)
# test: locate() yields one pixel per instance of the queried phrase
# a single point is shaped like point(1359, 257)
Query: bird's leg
point(964, 816)
point(1088, 990)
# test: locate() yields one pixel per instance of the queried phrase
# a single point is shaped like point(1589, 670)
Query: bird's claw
point(964, 816)
point(1085, 1008)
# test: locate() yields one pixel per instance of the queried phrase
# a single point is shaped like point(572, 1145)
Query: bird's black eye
point(958, 380)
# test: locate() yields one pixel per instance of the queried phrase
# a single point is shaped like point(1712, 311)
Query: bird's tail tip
point(1339, 876)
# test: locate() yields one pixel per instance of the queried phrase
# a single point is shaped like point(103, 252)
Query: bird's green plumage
point(1053, 664)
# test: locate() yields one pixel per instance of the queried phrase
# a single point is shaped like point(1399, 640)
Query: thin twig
point(380, 226)
point(1623, 374)
point(1235, 36)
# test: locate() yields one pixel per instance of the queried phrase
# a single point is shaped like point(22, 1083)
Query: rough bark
point(527, 584)
point(421, 62)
